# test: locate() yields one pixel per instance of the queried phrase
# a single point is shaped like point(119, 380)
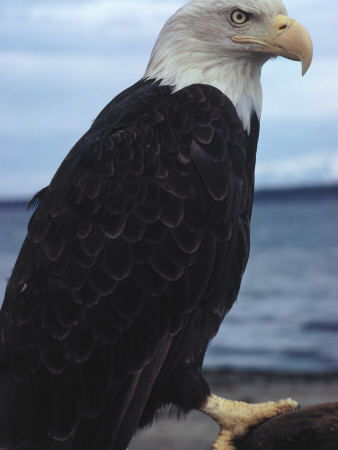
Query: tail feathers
point(133, 414)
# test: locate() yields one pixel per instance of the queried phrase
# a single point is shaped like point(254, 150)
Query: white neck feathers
point(186, 54)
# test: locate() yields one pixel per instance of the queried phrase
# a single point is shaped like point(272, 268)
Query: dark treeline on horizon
point(261, 195)
point(298, 193)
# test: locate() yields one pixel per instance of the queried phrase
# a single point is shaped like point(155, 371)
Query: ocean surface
point(286, 316)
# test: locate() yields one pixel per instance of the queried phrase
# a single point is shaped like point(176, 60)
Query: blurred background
point(62, 61)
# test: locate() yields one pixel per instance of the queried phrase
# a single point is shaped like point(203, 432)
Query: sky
point(62, 61)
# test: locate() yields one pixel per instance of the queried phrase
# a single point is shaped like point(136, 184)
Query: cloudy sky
point(61, 61)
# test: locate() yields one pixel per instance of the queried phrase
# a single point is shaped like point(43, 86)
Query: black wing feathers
point(141, 233)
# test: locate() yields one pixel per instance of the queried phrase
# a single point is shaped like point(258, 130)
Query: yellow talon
point(235, 418)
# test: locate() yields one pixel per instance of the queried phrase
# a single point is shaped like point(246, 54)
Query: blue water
point(286, 316)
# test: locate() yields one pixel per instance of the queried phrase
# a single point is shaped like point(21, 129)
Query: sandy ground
point(197, 431)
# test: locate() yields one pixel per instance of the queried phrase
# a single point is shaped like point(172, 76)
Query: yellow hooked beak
point(285, 37)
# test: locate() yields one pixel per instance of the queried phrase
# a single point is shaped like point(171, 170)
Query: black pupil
point(239, 16)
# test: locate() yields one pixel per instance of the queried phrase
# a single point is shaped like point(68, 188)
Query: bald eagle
point(137, 247)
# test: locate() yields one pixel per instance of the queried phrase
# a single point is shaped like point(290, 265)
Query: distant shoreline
point(310, 193)
point(217, 376)
point(298, 193)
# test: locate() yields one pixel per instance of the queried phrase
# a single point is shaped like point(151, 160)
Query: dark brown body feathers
point(133, 256)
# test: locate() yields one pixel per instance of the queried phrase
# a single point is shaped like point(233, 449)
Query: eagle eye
point(239, 17)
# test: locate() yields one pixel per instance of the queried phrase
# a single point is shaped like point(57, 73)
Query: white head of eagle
point(225, 44)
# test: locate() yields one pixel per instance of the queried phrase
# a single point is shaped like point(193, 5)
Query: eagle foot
point(235, 418)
